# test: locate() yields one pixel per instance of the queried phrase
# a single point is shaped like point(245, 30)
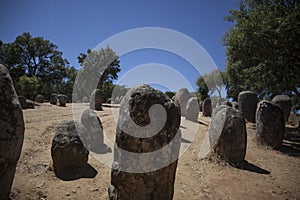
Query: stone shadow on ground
point(291, 142)
point(245, 165)
point(110, 106)
point(70, 174)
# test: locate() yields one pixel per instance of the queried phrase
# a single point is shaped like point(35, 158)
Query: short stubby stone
point(39, 98)
point(62, 99)
point(270, 124)
point(228, 136)
point(285, 103)
point(182, 97)
point(207, 107)
point(192, 109)
point(53, 99)
point(247, 104)
point(94, 138)
point(96, 100)
point(23, 102)
point(144, 166)
point(68, 152)
point(30, 104)
point(11, 133)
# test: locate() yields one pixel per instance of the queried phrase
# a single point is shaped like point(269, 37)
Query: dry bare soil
point(269, 174)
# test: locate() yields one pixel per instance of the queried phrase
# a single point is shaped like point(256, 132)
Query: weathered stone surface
point(235, 105)
point(93, 140)
point(23, 102)
point(247, 104)
point(96, 100)
point(217, 109)
point(285, 103)
point(62, 99)
point(200, 106)
point(192, 109)
point(227, 135)
point(145, 167)
point(270, 124)
point(39, 98)
point(11, 132)
point(53, 99)
point(207, 107)
point(30, 104)
point(85, 100)
point(182, 97)
point(68, 152)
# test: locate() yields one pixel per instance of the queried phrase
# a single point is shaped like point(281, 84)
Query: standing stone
point(217, 109)
point(270, 124)
point(23, 102)
point(85, 100)
point(53, 99)
point(247, 104)
point(145, 161)
point(200, 106)
point(39, 98)
point(62, 99)
point(207, 107)
point(94, 137)
point(182, 96)
point(192, 109)
point(97, 98)
point(235, 105)
point(285, 103)
point(227, 135)
point(30, 104)
point(68, 152)
point(11, 132)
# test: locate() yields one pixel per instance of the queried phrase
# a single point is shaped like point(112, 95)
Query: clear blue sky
point(76, 26)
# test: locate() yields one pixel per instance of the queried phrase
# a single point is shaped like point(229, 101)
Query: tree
point(104, 64)
point(263, 48)
point(210, 83)
point(35, 57)
point(29, 86)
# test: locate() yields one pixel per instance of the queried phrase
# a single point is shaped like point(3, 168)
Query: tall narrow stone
point(270, 124)
point(11, 132)
point(192, 109)
point(247, 104)
point(96, 100)
point(207, 107)
point(182, 97)
point(53, 99)
point(147, 146)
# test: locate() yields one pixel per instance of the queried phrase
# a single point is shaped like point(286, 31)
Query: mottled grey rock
point(68, 152)
point(235, 105)
point(145, 167)
point(96, 100)
point(23, 102)
point(39, 98)
point(182, 97)
point(247, 104)
point(192, 109)
point(30, 104)
point(285, 103)
point(85, 100)
point(53, 99)
point(228, 136)
point(207, 107)
point(270, 124)
point(217, 109)
point(11, 132)
point(62, 99)
point(93, 140)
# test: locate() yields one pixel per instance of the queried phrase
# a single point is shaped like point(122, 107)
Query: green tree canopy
point(102, 65)
point(35, 57)
point(263, 48)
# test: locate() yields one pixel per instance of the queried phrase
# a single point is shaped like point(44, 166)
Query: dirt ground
point(269, 174)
